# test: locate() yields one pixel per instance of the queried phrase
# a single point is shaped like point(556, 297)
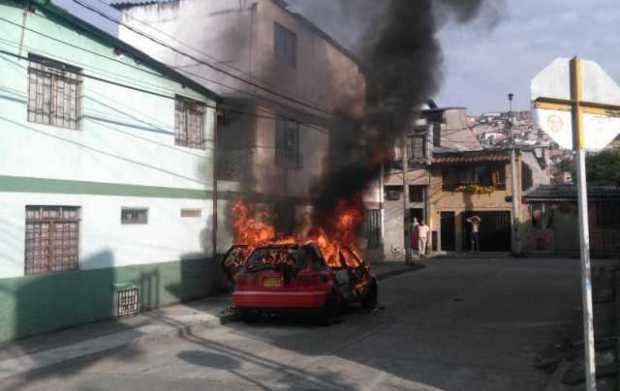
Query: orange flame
point(331, 236)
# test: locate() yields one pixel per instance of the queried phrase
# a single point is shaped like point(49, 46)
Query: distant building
point(478, 183)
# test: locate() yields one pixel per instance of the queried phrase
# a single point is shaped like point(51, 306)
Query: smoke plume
point(402, 58)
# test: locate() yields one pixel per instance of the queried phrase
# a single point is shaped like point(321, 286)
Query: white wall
point(104, 241)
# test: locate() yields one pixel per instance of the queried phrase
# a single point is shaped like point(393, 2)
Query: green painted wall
point(45, 303)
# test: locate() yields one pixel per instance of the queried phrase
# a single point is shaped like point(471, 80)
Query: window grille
point(287, 144)
point(285, 45)
point(487, 175)
point(52, 239)
point(134, 216)
point(373, 228)
point(127, 302)
point(189, 123)
point(53, 93)
point(417, 148)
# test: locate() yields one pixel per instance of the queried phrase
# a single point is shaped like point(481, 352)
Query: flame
point(331, 235)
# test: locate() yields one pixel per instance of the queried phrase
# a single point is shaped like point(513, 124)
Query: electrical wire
point(203, 62)
point(230, 109)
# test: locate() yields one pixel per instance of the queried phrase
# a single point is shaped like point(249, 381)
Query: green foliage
point(603, 168)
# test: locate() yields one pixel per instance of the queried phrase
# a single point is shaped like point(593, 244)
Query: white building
point(106, 175)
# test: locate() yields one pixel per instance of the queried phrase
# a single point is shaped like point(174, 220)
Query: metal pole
point(406, 235)
point(214, 184)
point(513, 165)
point(584, 234)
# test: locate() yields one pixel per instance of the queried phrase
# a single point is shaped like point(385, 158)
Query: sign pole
point(584, 234)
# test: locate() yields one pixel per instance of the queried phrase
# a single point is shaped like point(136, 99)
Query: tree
point(603, 168)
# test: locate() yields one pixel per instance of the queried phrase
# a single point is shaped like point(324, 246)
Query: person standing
point(423, 232)
point(414, 234)
point(475, 232)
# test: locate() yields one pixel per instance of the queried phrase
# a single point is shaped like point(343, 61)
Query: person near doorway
point(414, 235)
point(423, 233)
point(475, 232)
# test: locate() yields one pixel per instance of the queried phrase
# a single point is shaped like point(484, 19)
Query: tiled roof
point(470, 157)
point(122, 4)
point(569, 193)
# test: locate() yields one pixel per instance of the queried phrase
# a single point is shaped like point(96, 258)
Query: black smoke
point(402, 59)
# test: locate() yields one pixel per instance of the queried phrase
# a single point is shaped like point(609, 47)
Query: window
point(417, 148)
point(608, 214)
point(53, 93)
point(287, 144)
point(134, 216)
point(527, 179)
point(416, 193)
point(191, 213)
point(454, 177)
point(285, 45)
point(372, 227)
point(392, 193)
point(436, 135)
point(189, 123)
point(52, 239)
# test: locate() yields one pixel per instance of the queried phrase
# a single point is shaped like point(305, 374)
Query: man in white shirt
point(423, 233)
point(475, 232)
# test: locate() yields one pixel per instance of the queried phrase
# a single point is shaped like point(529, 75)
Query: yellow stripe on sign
point(553, 106)
point(577, 96)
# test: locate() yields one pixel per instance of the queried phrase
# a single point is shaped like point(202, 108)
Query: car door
point(234, 261)
point(358, 273)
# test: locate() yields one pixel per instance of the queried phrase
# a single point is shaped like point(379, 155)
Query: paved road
point(456, 325)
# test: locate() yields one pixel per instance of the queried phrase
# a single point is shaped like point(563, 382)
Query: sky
point(484, 61)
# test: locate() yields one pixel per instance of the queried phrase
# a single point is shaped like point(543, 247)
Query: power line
point(225, 107)
point(150, 26)
point(203, 62)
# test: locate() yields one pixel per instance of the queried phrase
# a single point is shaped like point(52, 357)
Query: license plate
point(272, 282)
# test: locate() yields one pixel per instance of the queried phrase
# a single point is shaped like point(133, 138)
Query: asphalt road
point(455, 325)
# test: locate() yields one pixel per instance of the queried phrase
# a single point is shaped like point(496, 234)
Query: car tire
point(249, 316)
point(328, 314)
point(371, 299)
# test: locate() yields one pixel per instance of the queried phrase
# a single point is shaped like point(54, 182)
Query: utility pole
point(406, 235)
point(516, 248)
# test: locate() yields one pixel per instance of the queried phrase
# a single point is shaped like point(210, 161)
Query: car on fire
point(296, 277)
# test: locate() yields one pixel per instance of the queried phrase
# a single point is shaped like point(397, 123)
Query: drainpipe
point(406, 235)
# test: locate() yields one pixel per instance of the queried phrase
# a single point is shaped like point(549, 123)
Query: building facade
point(106, 176)
point(551, 221)
point(288, 88)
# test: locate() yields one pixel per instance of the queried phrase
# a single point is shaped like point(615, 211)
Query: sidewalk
point(24, 356)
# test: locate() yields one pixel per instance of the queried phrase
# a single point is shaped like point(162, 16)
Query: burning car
point(296, 276)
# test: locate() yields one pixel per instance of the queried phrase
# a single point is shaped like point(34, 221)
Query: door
point(494, 231)
point(448, 228)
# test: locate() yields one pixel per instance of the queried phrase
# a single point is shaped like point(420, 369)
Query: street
point(454, 325)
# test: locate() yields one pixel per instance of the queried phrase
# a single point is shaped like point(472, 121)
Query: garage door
point(494, 231)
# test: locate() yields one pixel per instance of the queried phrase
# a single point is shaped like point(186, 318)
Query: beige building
point(286, 85)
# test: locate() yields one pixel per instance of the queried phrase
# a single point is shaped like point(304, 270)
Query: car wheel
point(249, 316)
point(328, 314)
point(370, 301)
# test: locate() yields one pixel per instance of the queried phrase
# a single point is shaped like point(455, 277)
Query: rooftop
point(569, 193)
point(443, 156)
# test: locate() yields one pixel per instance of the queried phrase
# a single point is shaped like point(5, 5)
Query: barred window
point(287, 144)
point(134, 216)
point(372, 226)
point(53, 93)
point(285, 45)
point(189, 123)
point(52, 239)
point(417, 148)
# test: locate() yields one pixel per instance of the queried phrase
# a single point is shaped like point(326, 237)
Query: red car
point(287, 277)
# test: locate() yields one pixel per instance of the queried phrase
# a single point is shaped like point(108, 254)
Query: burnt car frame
point(296, 277)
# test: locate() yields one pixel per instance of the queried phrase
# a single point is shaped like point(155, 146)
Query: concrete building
point(106, 175)
point(438, 129)
point(551, 221)
point(267, 60)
